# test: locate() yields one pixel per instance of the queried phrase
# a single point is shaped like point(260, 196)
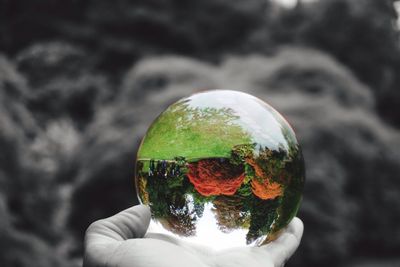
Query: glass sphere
point(220, 168)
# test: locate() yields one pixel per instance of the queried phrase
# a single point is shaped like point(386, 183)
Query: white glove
point(121, 241)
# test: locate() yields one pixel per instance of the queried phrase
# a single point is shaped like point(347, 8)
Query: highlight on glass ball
point(222, 169)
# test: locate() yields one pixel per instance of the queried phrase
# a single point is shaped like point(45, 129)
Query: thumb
point(284, 247)
point(104, 236)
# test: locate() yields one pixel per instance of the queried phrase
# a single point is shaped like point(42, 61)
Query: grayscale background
point(80, 82)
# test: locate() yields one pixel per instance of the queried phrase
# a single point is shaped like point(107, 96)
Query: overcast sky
point(397, 6)
point(291, 3)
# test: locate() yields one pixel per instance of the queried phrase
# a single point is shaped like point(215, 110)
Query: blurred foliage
point(120, 31)
point(80, 82)
point(361, 34)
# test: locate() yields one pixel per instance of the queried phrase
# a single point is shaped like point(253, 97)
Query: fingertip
point(133, 221)
point(103, 236)
point(286, 244)
point(130, 223)
point(296, 227)
point(292, 234)
point(142, 211)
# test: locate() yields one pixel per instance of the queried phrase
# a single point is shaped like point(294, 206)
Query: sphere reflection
point(221, 168)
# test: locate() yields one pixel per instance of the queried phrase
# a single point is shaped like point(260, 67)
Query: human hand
point(121, 241)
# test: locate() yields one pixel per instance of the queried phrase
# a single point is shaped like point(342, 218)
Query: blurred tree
point(62, 82)
point(361, 34)
point(229, 213)
point(121, 31)
point(29, 197)
point(23, 23)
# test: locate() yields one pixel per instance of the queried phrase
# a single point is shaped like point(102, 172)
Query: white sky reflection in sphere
point(208, 233)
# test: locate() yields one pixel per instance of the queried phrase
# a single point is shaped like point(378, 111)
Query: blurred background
point(80, 82)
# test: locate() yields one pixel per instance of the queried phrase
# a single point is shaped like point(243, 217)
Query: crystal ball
point(220, 168)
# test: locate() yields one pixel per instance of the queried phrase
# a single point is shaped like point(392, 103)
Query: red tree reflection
point(215, 177)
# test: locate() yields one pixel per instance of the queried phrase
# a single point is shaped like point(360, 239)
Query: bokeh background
point(80, 82)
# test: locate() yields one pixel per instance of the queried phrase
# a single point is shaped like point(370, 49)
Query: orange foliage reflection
point(263, 187)
point(266, 189)
point(212, 177)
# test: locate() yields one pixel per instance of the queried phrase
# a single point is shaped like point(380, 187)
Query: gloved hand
point(121, 241)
